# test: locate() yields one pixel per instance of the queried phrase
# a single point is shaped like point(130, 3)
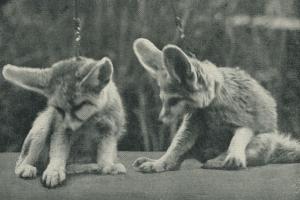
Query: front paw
point(53, 176)
point(114, 169)
point(26, 171)
point(235, 161)
point(147, 165)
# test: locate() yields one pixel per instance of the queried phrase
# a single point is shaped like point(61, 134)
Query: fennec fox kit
point(228, 120)
point(79, 129)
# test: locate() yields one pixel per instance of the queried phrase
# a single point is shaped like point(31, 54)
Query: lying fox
point(79, 129)
point(228, 120)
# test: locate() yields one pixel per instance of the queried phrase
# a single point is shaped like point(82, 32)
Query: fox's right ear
point(99, 75)
point(149, 55)
point(33, 79)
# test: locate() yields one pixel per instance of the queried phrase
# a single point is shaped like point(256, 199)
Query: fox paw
point(213, 164)
point(147, 165)
point(234, 162)
point(114, 169)
point(53, 177)
point(26, 171)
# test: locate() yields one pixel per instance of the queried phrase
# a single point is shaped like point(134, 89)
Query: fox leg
point(236, 153)
point(34, 144)
point(239, 155)
point(107, 156)
point(235, 157)
point(55, 172)
point(181, 144)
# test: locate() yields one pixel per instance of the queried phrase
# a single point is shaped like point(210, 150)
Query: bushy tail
point(273, 148)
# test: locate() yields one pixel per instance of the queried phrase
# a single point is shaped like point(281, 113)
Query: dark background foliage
point(37, 33)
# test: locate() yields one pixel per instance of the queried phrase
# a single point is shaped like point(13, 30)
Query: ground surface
point(191, 182)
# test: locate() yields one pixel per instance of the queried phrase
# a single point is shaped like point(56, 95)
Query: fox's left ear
point(99, 75)
point(33, 79)
point(149, 56)
point(179, 66)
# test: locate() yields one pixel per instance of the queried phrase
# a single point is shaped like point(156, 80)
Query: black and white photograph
point(150, 99)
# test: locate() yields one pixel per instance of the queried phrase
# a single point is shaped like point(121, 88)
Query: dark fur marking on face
point(60, 111)
point(174, 101)
point(175, 88)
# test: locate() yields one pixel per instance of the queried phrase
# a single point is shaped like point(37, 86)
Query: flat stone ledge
point(269, 182)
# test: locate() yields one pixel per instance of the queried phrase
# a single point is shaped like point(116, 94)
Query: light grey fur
point(79, 130)
point(232, 119)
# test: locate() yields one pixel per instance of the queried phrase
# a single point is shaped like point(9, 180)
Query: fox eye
point(174, 101)
point(60, 111)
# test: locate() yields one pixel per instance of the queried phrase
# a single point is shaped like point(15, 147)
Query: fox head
point(185, 83)
point(75, 88)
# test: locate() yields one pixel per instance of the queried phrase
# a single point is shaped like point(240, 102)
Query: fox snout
point(161, 116)
point(165, 116)
point(71, 124)
point(170, 114)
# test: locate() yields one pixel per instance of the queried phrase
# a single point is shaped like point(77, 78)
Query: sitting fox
point(79, 129)
point(228, 120)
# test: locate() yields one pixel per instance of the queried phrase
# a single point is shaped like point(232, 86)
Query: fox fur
point(228, 120)
point(79, 130)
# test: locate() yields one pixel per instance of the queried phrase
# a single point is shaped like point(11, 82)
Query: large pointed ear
point(99, 75)
point(29, 78)
point(149, 55)
point(179, 66)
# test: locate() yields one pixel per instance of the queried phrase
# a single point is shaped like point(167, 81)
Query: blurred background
point(259, 36)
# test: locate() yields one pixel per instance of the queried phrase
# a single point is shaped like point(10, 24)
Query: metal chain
point(178, 21)
point(180, 29)
point(77, 31)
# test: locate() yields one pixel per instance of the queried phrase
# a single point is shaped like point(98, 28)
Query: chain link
point(77, 31)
